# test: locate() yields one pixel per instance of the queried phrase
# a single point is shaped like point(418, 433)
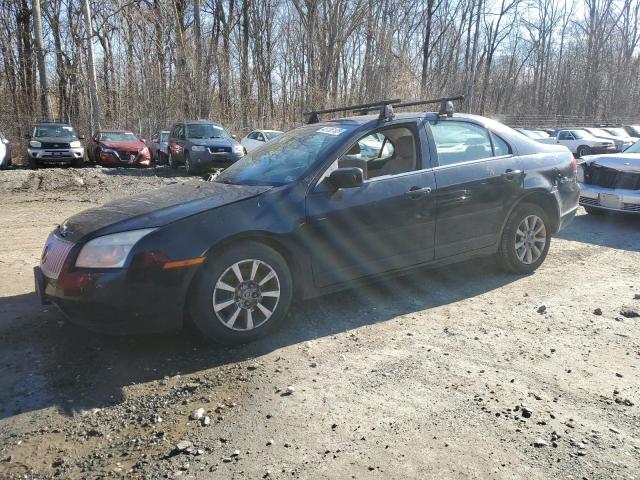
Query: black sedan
point(309, 213)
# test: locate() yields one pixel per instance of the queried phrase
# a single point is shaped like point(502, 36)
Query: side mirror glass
point(350, 177)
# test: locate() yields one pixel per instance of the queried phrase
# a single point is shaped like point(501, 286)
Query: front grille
point(631, 207)
point(55, 145)
point(220, 149)
point(126, 156)
point(610, 178)
point(54, 254)
point(589, 201)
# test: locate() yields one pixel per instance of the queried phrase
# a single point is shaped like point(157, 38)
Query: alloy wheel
point(246, 295)
point(531, 238)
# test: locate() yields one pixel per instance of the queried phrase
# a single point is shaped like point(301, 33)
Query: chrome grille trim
point(54, 255)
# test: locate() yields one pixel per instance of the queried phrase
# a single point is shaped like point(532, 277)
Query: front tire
point(525, 239)
point(172, 162)
point(242, 294)
point(188, 165)
point(583, 151)
point(32, 163)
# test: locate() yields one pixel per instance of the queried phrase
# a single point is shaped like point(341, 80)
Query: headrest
point(404, 146)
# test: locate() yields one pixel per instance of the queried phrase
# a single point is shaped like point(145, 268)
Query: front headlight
point(238, 149)
point(580, 174)
point(75, 144)
point(35, 144)
point(198, 148)
point(110, 251)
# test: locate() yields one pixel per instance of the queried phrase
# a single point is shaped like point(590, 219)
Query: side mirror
point(142, 139)
point(234, 136)
point(81, 137)
point(27, 136)
point(349, 177)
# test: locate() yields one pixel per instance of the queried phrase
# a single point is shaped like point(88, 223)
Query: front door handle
point(416, 192)
point(510, 174)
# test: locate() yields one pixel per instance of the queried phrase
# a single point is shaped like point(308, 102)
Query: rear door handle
point(416, 192)
point(510, 174)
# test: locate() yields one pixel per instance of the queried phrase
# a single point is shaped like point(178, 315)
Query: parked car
point(579, 142)
point(201, 145)
point(257, 138)
point(159, 146)
point(5, 153)
point(533, 134)
point(54, 143)
point(632, 130)
point(114, 148)
point(621, 133)
point(308, 214)
point(620, 143)
point(611, 182)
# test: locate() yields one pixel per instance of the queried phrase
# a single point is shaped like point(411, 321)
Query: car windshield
point(635, 148)
point(164, 136)
point(55, 131)
point(272, 135)
point(618, 132)
point(580, 134)
point(286, 158)
point(118, 137)
point(205, 130)
point(598, 132)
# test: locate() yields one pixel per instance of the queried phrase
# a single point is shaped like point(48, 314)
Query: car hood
point(55, 139)
point(624, 162)
point(155, 208)
point(133, 145)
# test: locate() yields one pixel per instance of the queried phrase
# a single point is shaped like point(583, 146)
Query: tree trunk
point(91, 69)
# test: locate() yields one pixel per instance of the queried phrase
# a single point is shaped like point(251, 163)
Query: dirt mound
point(88, 179)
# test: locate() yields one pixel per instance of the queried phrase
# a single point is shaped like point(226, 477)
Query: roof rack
point(386, 111)
point(446, 105)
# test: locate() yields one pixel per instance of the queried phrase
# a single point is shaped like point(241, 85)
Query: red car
point(117, 148)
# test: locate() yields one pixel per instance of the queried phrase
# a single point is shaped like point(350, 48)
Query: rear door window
point(458, 142)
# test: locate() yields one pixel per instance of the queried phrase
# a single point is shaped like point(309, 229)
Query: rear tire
point(525, 239)
point(229, 311)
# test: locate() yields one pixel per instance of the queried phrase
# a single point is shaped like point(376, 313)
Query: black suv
point(201, 145)
point(53, 143)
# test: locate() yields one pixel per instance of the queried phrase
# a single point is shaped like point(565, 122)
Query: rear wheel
point(525, 239)
point(242, 294)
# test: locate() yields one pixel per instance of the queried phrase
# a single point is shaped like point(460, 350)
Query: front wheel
point(188, 165)
point(242, 294)
point(172, 162)
point(583, 151)
point(525, 239)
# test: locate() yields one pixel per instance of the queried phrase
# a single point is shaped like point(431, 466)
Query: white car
point(580, 143)
point(622, 142)
point(258, 138)
point(5, 153)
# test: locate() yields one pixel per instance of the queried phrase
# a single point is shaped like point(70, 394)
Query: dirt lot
point(464, 372)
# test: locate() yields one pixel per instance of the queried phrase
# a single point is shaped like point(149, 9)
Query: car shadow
point(613, 230)
point(48, 362)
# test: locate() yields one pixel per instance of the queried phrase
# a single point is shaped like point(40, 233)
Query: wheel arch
point(542, 198)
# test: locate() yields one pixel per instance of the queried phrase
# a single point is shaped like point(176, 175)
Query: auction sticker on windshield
point(331, 130)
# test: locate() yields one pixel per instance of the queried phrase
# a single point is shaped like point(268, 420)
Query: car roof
point(62, 124)
point(203, 122)
point(114, 131)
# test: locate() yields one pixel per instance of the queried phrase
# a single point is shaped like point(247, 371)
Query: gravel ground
point(461, 372)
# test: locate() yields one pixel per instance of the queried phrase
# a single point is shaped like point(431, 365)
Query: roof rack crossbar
point(379, 105)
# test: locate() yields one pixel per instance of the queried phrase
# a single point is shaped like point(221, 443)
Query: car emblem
point(64, 230)
point(55, 145)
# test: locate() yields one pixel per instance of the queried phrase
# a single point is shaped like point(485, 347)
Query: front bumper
point(206, 159)
point(113, 158)
point(55, 155)
point(613, 199)
point(602, 150)
point(120, 301)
